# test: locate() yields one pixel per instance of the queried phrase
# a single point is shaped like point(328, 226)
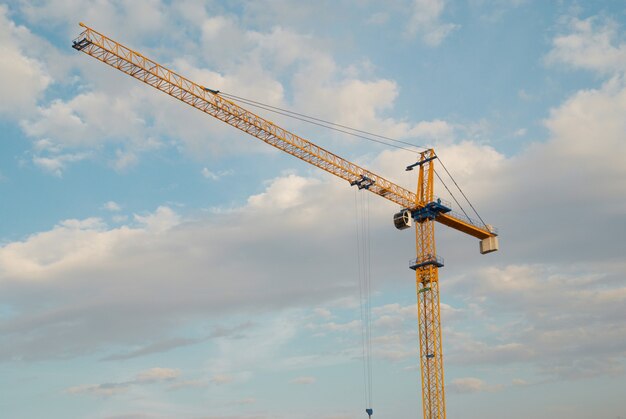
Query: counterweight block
point(488, 245)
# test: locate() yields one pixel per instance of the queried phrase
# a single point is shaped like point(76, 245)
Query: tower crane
point(420, 208)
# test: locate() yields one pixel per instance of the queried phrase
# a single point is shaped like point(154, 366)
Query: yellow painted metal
point(428, 309)
point(150, 72)
point(465, 226)
point(193, 94)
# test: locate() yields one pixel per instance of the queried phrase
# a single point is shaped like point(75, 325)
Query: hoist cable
point(355, 132)
point(361, 275)
point(327, 126)
point(450, 192)
point(367, 288)
point(368, 260)
point(462, 193)
point(250, 101)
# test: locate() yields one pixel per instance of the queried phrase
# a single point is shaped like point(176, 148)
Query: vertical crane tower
point(421, 208)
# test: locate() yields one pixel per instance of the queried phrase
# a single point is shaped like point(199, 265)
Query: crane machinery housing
point(421, 208)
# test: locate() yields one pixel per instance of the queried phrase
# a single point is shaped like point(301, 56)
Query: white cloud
point(587, 117)
point(433, 131)
point(164, 263)
point(221, 27)
point(519, 382)
point(198, 254)
point(124, 160)
point(351, 326)
point(213, 175)
point(379, 18)
point(151, 376)
point(568, 173)
point(115, 118)
point(209, 174)
point(565, 317)
point(88, 119)
point(592, 44)
point(119, 218)
point(244, 402)
point(222, 379)
point(112, 206)
point(162, 220)
point(426, 22)
point(236, 362)
point(164, 266)
point(494, 10)
point(188, 384)
point(471, 385)
point(525, 96)
point(156, 375)
point(167, 246)
point(57, 163)
point(24, 78)
point(339, 95)
point(282, 193)
point(45, 144)
point(357, 102)
point(567, 325)
point(100, 390)
point(86, 224)
point(323, 313)
point(137, 19)
point(303, 380)
point(86, 124)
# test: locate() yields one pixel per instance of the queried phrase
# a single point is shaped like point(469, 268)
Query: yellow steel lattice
point(428, 309)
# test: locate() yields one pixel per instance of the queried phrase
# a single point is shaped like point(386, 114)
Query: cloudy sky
point(155, 263)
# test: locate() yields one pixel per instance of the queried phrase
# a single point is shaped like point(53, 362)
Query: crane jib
point(209, 101)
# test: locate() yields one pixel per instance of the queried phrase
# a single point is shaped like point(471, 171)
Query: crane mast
point(426, 267)
point(420, 207)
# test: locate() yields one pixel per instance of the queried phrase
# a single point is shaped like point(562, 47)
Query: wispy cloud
point(166, 345)
point(112, 206)
point(221, 379)
point(303, 380)
point(471, 385)
point(591, 44)
point(426, 22)
point(151, 376)
point(56, 164)
point(208, 174)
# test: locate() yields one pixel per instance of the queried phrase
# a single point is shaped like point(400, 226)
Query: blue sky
point(157, 264)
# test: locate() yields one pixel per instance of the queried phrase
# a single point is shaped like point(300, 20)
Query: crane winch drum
point(403, 219)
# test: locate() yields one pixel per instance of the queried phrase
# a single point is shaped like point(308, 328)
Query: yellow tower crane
point(420, 207)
